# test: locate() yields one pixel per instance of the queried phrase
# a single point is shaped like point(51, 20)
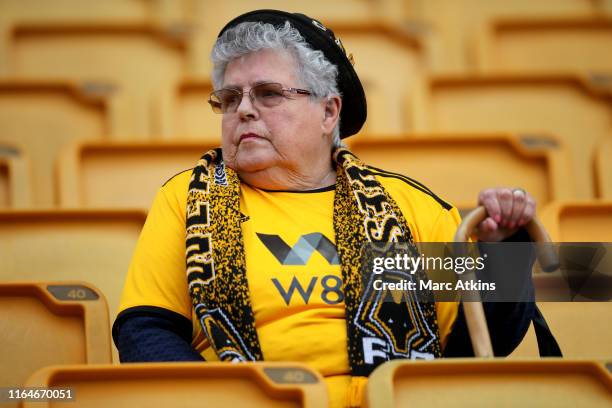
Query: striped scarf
point(381, 326)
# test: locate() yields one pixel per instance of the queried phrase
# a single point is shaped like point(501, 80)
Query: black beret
point(319, 37)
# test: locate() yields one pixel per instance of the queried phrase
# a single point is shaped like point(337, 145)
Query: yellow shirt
point(294, 280)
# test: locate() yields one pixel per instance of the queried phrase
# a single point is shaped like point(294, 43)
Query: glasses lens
point(225, 100)
point(268, 94)
point(215, 104)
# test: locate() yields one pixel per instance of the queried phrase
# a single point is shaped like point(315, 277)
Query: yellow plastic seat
point(186, 385)
point(70, 245)
point(387, 60)
point(341, 10)
point(49, 323)
point(458, 166)
point(543, 44)
point(143, 60)
point(456, 24)
point(577, 326)
point(187, 115)
point(39, 118)
point(74, 10)
point(88, 172)
point(490, 382)
point(603, 168)
point(579, 221)
point(566, 106)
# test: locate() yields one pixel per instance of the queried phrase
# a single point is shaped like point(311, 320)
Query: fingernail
point(497, 218)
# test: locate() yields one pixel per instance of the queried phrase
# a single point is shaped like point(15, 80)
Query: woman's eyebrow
point(232, 86)
point(240, 88)
point(264, 81)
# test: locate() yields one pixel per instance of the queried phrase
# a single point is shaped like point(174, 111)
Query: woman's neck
point(276, 178)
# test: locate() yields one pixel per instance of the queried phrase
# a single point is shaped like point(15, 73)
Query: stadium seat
point(387, 60)
point(187, 385)
point(144, 60)
point(15, 11)
point(603, 168)
point(41, 10)
point(490, 382)
point(48, 323)
point(458, 166)
point(340, 11)
point(458, 23)
point(187, 115)
point(579, 221)
point(88, 172)
point(542, 44)
point(565, 106)
point(15, 182)
point(38, 118)
point(377, 47)
point(63, 245)
point(576, 325)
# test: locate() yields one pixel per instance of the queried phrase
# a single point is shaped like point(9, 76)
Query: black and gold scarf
point(381, 326)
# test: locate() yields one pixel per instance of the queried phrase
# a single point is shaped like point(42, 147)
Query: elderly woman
point(254, 253)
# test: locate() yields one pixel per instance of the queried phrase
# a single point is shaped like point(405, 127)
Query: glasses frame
point(216, 106)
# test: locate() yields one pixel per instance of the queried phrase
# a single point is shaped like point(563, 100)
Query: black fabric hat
point(319, 37)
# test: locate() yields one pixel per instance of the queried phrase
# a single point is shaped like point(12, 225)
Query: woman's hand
point(508, 209)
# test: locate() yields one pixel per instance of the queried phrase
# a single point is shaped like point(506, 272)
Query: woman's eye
point(230, 100)
point(270, 93)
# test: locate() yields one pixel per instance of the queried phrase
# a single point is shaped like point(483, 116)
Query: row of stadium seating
point(84, 170)
point(452, 165)
point(561, 115)
point(57, 335)
point(96, 246)
point(391, 62)
point(445, 35)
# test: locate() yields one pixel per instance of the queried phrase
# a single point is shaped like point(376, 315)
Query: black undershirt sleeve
point(153, 334)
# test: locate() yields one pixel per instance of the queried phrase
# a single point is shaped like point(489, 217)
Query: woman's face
point(287, 136)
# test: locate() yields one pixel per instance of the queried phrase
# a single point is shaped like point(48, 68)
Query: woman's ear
point(333, 105)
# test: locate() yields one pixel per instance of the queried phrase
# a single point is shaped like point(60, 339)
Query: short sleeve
point(445, 226)
point(156, 275)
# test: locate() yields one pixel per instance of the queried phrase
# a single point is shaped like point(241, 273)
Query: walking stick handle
point(547, 257)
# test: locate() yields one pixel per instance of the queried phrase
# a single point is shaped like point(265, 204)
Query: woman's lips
point(249, 136)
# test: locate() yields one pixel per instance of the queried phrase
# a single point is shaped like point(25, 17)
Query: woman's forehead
point(268, 65)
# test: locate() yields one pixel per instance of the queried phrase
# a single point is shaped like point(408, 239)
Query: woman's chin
point(254, 162)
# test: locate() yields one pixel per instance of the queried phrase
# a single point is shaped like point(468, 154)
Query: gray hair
point(315, 71)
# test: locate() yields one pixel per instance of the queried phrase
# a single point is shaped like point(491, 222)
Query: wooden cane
point(474, 313)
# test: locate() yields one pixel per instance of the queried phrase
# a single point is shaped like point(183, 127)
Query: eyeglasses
point(267, 94)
